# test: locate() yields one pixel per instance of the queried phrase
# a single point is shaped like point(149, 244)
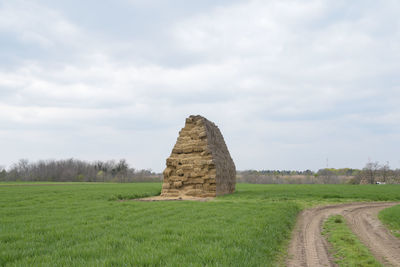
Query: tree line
point(73, 170)
point(372, 173)
point(342, 171)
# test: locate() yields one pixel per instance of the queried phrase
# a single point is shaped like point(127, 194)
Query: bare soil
point(160, 198)
point(309, 248)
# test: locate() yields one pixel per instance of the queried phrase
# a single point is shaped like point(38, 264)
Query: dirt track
point(309, 247)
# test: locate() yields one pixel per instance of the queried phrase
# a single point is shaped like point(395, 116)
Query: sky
point(291, 84)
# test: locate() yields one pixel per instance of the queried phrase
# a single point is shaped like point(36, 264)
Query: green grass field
point(391, 217)
point(78, 224)
point(347, 249)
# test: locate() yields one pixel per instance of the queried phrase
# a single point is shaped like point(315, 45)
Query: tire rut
point(309, 248)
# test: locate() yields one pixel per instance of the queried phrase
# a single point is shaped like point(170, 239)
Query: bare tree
point(396, 176)
point(385, 171)
point(370, 172)
point(3, 173)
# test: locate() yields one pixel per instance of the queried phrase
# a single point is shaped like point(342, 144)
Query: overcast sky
point(289, 83)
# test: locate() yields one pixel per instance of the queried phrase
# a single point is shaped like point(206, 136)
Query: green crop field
point(78, 224)
point(391, 217)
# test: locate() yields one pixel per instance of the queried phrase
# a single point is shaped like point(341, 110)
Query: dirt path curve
point(309, 248)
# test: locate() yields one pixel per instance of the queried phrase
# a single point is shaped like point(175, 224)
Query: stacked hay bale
point(200, 164)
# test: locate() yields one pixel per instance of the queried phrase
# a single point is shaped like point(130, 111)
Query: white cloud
point(37, 24)
point(288, 82)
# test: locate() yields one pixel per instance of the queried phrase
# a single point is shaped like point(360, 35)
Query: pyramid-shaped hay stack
point(200, 164)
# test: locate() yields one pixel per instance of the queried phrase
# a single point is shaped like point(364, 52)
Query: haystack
point(200, 164)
